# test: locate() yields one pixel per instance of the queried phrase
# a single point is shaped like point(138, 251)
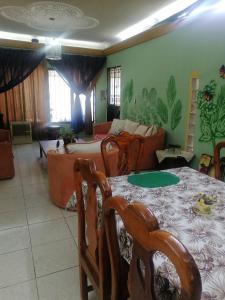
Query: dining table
point(175, 209)
point(174, 206)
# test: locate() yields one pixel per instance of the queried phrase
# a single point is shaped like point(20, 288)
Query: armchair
point(6, 155)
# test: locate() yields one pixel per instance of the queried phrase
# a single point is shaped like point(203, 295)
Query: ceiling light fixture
point(159, 16)
point(53, 49)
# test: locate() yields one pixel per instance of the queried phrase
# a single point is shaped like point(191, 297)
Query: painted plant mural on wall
point(212, 113)
point(150, 108)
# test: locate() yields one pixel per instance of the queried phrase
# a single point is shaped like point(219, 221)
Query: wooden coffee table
point(45, 146)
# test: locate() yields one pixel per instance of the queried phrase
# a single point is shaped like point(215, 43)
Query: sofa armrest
point(102, 128)
point(6, 161)
point(4, 135)
point(61, 175)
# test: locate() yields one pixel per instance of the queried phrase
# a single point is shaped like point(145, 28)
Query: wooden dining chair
point(142, 226)
point(217, 160)
point(129, 147)
point(93, 254)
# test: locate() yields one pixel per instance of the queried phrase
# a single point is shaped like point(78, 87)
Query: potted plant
point(66, 133)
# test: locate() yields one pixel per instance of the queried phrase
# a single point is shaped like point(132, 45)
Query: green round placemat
point(153, 179)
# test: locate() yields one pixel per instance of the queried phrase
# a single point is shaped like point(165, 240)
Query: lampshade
point(53, 50)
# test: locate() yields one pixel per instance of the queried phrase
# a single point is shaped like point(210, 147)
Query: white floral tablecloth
point(204, 236)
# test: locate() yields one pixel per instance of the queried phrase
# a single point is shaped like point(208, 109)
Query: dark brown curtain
point(79, 72)
point(29, 100)
point(16, 65)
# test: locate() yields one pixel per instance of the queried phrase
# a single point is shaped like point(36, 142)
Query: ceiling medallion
point(49, 16)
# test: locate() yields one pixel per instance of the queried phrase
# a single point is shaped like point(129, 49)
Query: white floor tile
point(14, 239)
point(73, 225)
point(12, 219)
point(12, 182)
point(35, 188)
point(55, 256)
point(12, 192)
point(11, 203)
point(49, 232)
point(35, 179)
point(23, 291)
point(34, 200)
point(43, 213)
point(16, 267)
point(60, 286)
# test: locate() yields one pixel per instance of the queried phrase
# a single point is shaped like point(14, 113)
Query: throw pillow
point(141, 130)
point(117, 126)
point(151, 130)
point(130, 126)
point(93, 147)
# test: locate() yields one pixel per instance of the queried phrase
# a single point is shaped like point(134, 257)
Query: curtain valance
point(16, 65)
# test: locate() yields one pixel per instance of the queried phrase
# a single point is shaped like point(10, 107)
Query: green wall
point(198, 46)
point(101, 102)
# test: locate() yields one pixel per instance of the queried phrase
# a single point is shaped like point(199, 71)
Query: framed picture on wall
point(205, 163)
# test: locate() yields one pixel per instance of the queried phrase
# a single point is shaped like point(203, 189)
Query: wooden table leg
point(41, 151)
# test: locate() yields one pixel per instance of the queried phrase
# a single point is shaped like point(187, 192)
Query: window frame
point(72, 95)
point(109, 95)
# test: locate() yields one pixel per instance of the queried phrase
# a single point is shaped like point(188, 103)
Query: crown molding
point(65, 49)
point(144, 37)
point(133, 41)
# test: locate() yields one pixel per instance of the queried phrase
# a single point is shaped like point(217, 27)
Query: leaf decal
point(144, 93)
point(153, 96)
point(221, 125)
point(206, 132)
point(171, 91)
point(162, 110)
point(129, 91)
point(220, 134)
point(176, 114)
point(205, 138)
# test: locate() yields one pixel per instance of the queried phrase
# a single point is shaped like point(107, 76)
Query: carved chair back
point(94, 261)
point(130, 149)
point(217, 162)
point(143, 227)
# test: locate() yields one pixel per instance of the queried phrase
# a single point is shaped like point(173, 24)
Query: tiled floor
point(38, 251)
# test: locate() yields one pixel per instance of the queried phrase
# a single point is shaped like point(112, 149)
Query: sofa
point(152, 142)
point(6, 155)
point(60, 166)
point(61, 175)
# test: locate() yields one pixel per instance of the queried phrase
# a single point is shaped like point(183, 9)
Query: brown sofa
point(6, 155)
point(151, 144)
point(60, 166)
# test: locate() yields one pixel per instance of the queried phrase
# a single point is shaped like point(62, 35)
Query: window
point(194, 88)
point(114, 85)
point(60, 99)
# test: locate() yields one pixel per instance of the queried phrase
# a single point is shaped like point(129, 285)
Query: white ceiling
point(105, 19)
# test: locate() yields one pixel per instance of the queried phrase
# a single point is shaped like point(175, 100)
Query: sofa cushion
point(141, 130)
point(130, 126)
point(151, 130)
point(117, 126)
point(93, 147)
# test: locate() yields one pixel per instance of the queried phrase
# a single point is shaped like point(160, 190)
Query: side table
point(53, 132)
point(168, 158)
